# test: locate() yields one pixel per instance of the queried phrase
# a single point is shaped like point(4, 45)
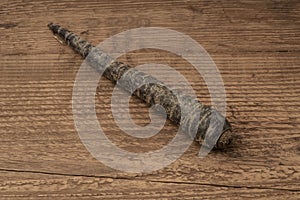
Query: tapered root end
point(50, 24)
point(53, 27)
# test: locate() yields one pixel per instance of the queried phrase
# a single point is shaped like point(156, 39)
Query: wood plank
point(256, 46)
point(49, 186)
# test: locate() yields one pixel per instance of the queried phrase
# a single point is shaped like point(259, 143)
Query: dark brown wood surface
point(256, 46)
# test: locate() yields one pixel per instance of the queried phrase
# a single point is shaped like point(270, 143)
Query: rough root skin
point(151, 93)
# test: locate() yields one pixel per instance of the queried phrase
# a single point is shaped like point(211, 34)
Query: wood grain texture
point(256, 46)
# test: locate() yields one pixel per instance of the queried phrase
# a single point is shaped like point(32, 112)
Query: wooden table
point(256, 46)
